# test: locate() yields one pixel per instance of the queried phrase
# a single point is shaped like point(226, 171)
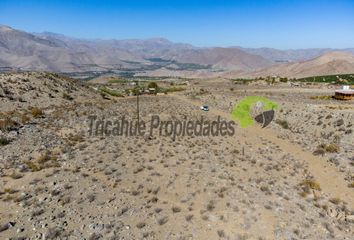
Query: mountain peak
point(5, 28)
point(336, 56)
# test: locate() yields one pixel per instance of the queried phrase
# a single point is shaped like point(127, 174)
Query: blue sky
point(259, 23)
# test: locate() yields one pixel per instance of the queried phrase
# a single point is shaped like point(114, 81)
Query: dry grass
point(36, 112)
point(7, 123)
point(312, 184)
point(308, 185)
point(45, 160)
point(332, 148)
point(327, 148)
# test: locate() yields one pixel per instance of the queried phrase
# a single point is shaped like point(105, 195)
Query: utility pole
point(137, 101)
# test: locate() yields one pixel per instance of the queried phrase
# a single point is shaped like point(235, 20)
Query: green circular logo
point(254, 108)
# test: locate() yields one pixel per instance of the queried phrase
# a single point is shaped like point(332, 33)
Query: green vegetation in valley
point(110, 92)
point(119, 80)
point(172, 89)
point(334, 79)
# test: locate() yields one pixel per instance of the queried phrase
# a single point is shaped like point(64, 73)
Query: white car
point(204, 108)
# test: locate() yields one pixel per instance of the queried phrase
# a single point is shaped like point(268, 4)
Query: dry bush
point(7, 124)
point(310, 183)
point(335, 201)
point(36, 112)
point(324, 148)
point(67, 96)
point(283, 123)
point(45, 160)
point(4, 141)
point(332, 148)
point(321, 97)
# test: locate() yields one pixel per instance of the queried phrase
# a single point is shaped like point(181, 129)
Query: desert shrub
point(307, 185)
point(67, 97)
point(221, 233)
point(36, 112)
point(311, 184)
point(45, 160)
point(283, 123)
point(324, 148)
point(7, 124)
point(176, 209)
point(319, 151)
point(335, 201)
point(189, 217)
point(163, 220)
point(24, 119)
point(332, 148)
point(4, 141)
point(44, 157)
point(34, 167)
point(339, 122)
point(141, 225)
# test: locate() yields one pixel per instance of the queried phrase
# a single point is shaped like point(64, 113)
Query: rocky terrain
point(292, 180)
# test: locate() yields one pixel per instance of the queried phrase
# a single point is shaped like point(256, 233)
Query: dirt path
point(331, 181)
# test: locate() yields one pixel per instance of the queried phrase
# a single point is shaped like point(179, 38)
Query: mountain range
point(53, 52)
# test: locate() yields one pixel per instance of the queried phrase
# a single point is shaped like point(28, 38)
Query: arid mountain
point(327, 64)
point(222, 58)
point(58, 53)
point(55, 52)
point(291, 55)
point(21, 50)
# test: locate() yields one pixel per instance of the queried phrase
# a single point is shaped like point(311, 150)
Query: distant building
point(344, 94)
point(152, 91)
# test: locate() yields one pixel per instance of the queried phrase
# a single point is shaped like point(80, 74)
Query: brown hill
point(327, 64)
point(222, 58)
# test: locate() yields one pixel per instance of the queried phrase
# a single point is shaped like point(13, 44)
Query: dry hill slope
point(327, 64)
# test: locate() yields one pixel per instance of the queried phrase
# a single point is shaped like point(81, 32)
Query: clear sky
point(259, 23)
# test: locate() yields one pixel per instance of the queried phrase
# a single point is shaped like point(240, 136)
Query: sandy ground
point(58, 182)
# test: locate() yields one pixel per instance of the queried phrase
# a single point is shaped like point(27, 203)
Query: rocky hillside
point(33, 89)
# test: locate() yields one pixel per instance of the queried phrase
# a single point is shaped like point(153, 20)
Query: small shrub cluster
point(111, 92)
point(67, 96)
point(283, 123)
point(307, 185)
point(7, 124)
point(321, 97)
point(326, 148)
point(4, 141)
point(36, 112)
point(45, 160)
